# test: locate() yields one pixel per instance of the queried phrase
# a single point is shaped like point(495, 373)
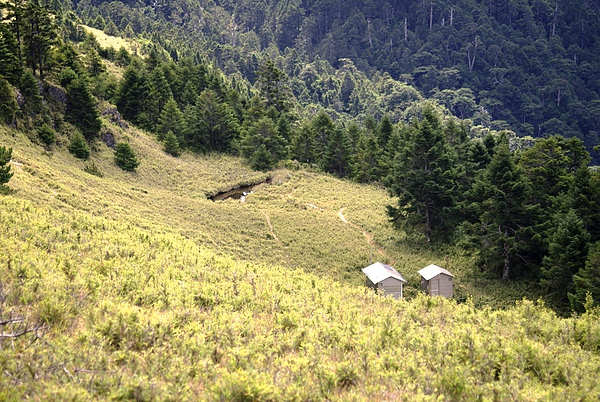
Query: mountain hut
point(436, 281)
point(382, 276)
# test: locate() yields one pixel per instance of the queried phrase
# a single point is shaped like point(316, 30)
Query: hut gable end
point(385, 277)
point(437, 281)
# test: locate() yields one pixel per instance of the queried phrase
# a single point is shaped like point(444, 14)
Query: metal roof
point(433, 270)
point(378, 272)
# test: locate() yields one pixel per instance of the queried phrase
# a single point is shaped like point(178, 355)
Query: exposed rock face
point(59, 94)
point(115, 117)
point(109, 139)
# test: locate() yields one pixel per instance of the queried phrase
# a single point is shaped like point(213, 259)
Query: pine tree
point(587, 281)
point(39, 35)
point(94, 63)
point(171, 119)
point(567, 251)
point(171, 144)
point(338, 157)
point(133, 93)
point(79, 147)
point(81, 109)
point(8, 103)
point(505, 212)
point(384, 131)
point(368, 167)
point(5, 173)
point(31, 93)
point(263, 145)
point(125, 157)
point(211, 126)
point(47, 134)
point(304, 144)
point(273, 87)
point(424, 178)
point(10, 68)
point(323, 127)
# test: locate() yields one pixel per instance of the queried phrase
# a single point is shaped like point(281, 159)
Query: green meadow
point(136, 286)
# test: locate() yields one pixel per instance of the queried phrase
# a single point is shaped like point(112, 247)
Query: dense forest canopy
point(529, 65)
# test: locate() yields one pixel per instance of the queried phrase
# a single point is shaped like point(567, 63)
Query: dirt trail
point(271, 227)
point(287, 257)
point(367, 235)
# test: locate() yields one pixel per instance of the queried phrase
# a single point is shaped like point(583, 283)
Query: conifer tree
point(211, 126)
point(304, 144)
point(338, 157)
point(5, 173)
point(125, 157)
point(505, 213)
point(79, 147)
point(567, 251)
point(171, 144)
point(133, 92)
point(273, 87)
point(10, 68)
point(39, 35)
point(587, 281)
point(323, 127)
point(384, 131)
point(368, 166)
point(424, 178)
point(81, 109)
point(47, 134)
point(263, 145)
point(8, 103)
point(171, 119)
point(31, 92)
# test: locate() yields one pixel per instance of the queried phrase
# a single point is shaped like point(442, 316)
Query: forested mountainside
point(529, 66)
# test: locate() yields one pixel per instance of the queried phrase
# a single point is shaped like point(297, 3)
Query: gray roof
point(433, 270)
point(378, 272)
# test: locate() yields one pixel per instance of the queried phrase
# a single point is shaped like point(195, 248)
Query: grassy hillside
point(296, 222)
point(136, 286)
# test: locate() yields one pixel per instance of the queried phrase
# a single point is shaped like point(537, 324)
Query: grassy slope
point(149, 290)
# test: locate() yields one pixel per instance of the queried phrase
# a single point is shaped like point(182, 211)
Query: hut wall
point(392, 286)
point(445, 285)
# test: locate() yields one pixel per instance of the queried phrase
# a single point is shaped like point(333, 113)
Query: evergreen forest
point(462, 133)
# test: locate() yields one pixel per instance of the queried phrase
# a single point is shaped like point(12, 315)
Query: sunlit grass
point(142, 288)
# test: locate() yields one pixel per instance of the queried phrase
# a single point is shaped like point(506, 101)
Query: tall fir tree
point(8, 103)
point(132, 97)
point(170, 119)
point(506, 215)
point(567, 252)
point(338, 157)
point(369, 160)
point(587, 281)
point(424, 178)
point(262, 144)
point(82, 110)
point(303, 147)
point(211, 125)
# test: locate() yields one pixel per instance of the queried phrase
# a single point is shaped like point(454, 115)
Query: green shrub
point(47, 134)
point(79, 147)
point(125, 157)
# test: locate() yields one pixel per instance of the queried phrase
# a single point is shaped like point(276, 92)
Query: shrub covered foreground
point(117, 312)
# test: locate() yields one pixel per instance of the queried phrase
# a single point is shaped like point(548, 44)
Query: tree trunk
point(506, 255)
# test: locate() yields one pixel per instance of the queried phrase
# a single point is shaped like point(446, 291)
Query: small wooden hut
point(382, 276)
point(436, 281)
